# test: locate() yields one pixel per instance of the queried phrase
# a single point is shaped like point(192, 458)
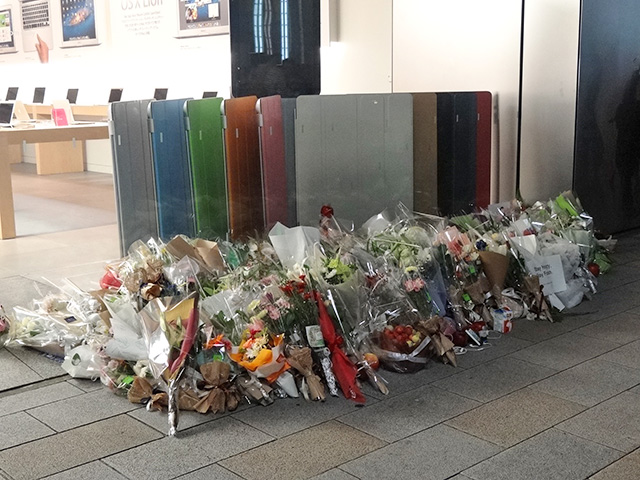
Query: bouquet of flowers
point(5, 326)
point(170, 325)
point(261, 353)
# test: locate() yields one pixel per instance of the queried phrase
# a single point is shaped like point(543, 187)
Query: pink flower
point(256, 326)
point(273, 312)
point(283, 304)
point(418, 284)
point(414, 285)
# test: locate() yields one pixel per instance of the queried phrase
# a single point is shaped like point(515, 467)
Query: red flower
point(326, 211)
point(287, 289)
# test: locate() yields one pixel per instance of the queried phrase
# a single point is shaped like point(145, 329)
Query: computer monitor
point(160, 93)
point(72, 95)
point(38, 95)
point(12, 93)
point(209, 94)
point(115, 95)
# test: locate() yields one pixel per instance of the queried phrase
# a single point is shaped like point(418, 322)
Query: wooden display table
point(72, 136)
point(96, 113)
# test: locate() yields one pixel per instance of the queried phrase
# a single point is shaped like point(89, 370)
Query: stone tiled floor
point(547, 401)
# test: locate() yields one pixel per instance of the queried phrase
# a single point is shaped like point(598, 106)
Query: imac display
point(160, 93)
point(202, 17)
point(7, 42)
point(275, 48)
point(38, 95)
point(72, 95)
point(78, 23)
point(12, 93)
point(115, 95)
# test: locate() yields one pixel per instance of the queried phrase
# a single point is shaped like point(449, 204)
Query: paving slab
point(95, 469)
point(188, 451)
point(494, 379)
point(614, 423)
point(66, 450)
point(627, 468)
point(565, 351)
point(19, 428)
point(26, 398)
point(437, 453)
point(622, 328)
point(404, 415)
point(334, 474)
point(14, 373)
point(43, 365)
point(210, 472)
point(304, 454)
point(552, 455)
point(515, 417)
point(290, 415)
point(590, 382)
point(82, 409)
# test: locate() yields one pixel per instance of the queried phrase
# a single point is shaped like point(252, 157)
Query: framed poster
point(7, 42)
point(37, 32)
point(78, 23)
point(202, 17)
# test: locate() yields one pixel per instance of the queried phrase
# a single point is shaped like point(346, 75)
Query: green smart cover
point(244, 176)
point(206, 152)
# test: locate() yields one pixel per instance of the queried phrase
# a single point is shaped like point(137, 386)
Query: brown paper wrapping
point(204, 251)
point(495, 267)
point(233, 399)
point(531, 284)
point(215, 373)
point(210, 254)
point(187, 400)
point(300, 359)
point(140, 391)
point(440, 345)
point(475, 292)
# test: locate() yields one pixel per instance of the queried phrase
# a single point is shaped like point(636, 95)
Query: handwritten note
point(549, 269)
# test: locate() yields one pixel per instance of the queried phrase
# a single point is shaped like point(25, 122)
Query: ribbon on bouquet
point(343, 368)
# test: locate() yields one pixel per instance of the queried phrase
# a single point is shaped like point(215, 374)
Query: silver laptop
point(20, 113)
point(66, 106)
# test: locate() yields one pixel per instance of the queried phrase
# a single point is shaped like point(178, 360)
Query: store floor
point(547, 401)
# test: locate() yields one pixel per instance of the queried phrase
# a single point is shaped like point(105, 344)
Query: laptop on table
point(66, 107)
point(6, 114)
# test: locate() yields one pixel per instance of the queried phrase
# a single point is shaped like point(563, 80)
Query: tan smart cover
point(425, 152)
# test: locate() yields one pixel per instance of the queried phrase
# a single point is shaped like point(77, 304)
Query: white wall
point(358, 60)
point(461, 45)
point(378, 46)
point(549, 97)
point(138, 62)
